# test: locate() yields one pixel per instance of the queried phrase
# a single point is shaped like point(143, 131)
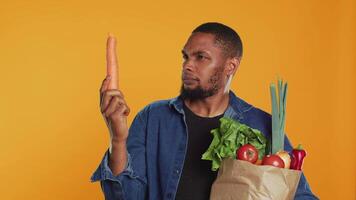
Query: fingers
point(107, 96)
point(126, 111)
point(104, 87)
point(105, 84)
point(117, 105)
point(123, 109)
point(111, 61)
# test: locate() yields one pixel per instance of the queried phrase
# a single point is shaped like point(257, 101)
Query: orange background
point(52, 59)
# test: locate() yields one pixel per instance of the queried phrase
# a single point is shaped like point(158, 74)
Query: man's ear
point(232, 65)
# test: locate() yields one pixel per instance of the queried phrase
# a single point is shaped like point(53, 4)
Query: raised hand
point(112, 103)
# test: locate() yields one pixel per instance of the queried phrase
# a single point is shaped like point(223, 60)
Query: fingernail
point(108, 77)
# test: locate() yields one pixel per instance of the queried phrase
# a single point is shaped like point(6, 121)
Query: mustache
point(189, 76)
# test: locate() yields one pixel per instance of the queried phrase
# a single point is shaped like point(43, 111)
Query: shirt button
point(177, 171)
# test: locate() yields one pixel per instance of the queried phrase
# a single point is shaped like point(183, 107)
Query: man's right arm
point(117, 156)
point(131, 182)
point(120, 177)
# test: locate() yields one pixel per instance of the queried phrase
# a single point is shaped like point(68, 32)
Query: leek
point(278, 115)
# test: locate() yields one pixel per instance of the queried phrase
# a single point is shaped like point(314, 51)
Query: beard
point(199, 93)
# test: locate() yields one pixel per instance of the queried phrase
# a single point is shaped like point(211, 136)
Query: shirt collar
point(235, 109)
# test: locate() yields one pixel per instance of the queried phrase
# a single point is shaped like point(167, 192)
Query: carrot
point(111, 62)
point(258, 162)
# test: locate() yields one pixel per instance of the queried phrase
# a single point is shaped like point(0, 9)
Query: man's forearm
point(118, 156)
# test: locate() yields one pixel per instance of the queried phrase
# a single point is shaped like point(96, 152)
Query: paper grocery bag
point(241, 180)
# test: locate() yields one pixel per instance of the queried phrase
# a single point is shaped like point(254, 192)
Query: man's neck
point(210, 106)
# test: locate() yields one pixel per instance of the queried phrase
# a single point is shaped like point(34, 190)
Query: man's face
point(203, 67)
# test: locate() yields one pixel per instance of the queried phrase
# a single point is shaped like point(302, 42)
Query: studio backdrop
point(52, 59)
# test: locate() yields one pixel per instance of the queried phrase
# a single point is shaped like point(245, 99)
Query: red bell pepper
point(298, 155)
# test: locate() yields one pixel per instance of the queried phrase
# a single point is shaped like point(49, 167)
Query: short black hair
point(225, 36)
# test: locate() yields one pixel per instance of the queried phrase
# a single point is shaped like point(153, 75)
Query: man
point(159, 157)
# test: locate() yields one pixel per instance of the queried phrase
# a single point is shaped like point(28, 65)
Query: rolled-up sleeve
point(130, 184)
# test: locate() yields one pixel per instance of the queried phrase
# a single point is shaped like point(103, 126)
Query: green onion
point(278, 115)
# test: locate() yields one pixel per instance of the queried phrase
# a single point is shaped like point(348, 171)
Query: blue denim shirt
point(157, 145)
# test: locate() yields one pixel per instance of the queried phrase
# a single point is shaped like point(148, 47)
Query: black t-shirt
point(197, 177)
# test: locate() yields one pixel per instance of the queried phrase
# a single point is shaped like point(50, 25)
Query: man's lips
point(189, 78)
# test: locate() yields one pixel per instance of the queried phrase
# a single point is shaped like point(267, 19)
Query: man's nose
point(188, 65)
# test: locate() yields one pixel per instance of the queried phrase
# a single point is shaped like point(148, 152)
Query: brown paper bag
point(241, 180)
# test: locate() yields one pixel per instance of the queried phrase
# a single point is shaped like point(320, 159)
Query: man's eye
point(185, 57)
point(200, 57)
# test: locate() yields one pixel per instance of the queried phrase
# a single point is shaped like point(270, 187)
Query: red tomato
point(273, 160)
point(248, 153)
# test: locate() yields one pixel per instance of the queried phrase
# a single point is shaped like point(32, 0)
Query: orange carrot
point(111, 62)
point(258, 162)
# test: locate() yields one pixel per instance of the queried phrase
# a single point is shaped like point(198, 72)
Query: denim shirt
point(156, 148)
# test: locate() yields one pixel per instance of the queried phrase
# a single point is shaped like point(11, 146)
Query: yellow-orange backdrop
point(52, 58)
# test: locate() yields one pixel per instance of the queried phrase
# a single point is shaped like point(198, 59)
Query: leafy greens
point(230, 136)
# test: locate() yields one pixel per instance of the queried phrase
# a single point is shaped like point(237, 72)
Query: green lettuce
point(230, 136)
